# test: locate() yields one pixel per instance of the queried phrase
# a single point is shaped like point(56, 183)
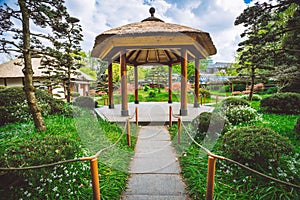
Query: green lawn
point(152, 95)
point(232, 182)
point(83, 135)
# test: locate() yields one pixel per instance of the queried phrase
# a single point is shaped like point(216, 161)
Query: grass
point(163, 96)
point(69, 181)
point(232, 182)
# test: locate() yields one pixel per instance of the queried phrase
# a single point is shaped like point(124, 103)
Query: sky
point(213, 16)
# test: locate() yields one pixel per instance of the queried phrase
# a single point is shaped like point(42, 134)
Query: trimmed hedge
point(209, 123)
point(255, 145)
point(232, 101)
point(14, 108)
point(281, 103)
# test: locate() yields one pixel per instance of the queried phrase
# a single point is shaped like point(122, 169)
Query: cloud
point(216, 17)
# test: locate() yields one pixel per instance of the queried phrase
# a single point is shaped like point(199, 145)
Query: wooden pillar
point(110, 86)
point(197, 82)
point(136, 85)
point(170, 83)
point(183, 107)
point(124, 107)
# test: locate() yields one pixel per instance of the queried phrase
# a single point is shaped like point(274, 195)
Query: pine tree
point(25, 43)
point(262, 53)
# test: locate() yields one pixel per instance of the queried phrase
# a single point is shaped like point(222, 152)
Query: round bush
point(239, 87)
point(84, 102)
point(233, 101)
point(255, 97)
point(14, 108)
point(241, 114)
point(203, 92)
point(152, 94)
point(209, 122)
point(255, 145)
point(272, 90)
point(282, 103)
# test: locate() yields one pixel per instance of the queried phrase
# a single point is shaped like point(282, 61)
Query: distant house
point(216, 67)
point(11, 75)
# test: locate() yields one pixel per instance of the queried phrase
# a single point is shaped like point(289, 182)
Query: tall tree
point(158, 76)
point(252, 54)
point(263, 51)
point(66, 53)
point(23, 41)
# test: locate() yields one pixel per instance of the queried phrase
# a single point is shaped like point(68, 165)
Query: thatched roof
point(11, 69)
point(152, 34)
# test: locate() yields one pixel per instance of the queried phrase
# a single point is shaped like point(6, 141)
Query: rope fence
point(92, 159)
point(212, 161)
point(211, 168)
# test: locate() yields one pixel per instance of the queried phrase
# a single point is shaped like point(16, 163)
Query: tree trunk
point(252, 83)
point(28, 72)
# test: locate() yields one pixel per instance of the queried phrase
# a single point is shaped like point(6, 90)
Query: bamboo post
point(128, 132)
point(217, 99)
point(211, 168)
point(136, 116)
point(179, 129)
point(170, 115)
point(95, 178)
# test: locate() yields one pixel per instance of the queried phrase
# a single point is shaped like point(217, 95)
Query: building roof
point(13, 69)
point(152, 41)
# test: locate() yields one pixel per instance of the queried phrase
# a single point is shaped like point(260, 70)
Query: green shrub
point(241, 114)
point(84, 102)
point(152, 94)
point(146, 88)
point(2, 87)
point(255, 97)
point(27, 152)
point(233, 101)
point(209, 122)
point(205, 92)
point(272, 90)
point(239, 87)
point(14, 108)
point(225, 88)
point(255, 145)
point(297, 126)
point(282, 103)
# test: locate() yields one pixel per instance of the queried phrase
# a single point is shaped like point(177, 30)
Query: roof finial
point(152, 11)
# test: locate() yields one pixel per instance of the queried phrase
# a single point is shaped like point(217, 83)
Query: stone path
point(155, 171)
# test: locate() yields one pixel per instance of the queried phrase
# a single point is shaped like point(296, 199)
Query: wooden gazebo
point(150, 42)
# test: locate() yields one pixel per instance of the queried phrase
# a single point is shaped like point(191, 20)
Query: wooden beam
point(170, 84)
point(197, 82)
point(136, 85)
point(124, 107)
point(110, 86)
point(183, 107)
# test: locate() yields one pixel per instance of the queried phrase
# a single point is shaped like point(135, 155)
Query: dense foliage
point(65, 138)
point(14, 108)
point(209, 123)
point(233, 101)
point(272, 137)
point(282, 103)
point(256, 146)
